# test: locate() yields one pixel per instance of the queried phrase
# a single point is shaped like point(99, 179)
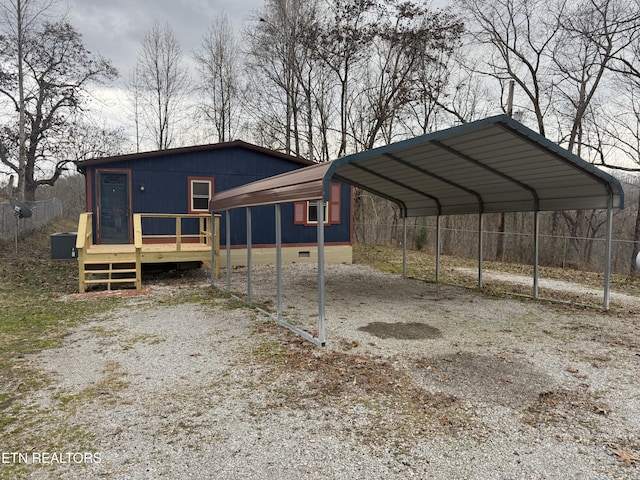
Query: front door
point(113, 209)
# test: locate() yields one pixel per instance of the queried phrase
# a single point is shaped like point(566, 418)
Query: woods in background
point(326, 78)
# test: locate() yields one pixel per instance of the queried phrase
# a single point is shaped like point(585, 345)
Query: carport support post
point(228, 236)
point(438, 248)
point(536, 252)
point(213, 233)
point(278, 262)
point(607, 259)
point(249, 254)
point(480, 228)
point(321, 333)
point(404, 246)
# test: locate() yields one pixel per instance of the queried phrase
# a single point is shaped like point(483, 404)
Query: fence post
point(43, 211)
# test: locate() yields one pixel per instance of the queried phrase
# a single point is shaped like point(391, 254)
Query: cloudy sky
point(115, 28)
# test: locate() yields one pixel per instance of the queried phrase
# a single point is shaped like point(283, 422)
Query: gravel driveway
point(417, 381)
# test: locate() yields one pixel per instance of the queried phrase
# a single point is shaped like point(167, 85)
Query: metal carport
point(488, 166)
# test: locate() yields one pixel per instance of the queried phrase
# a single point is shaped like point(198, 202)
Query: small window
point(306, 213)
point(200, 191)
point(312, 212)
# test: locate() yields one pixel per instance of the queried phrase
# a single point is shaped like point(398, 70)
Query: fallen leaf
point(626, 457)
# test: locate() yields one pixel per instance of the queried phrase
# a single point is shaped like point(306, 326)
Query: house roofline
point(196, 148)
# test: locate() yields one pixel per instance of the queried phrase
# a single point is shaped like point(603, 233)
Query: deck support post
point(249, 255)
point(228, 241)
point(278, 262)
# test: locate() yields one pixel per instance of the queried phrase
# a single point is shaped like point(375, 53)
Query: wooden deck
point(122, 263)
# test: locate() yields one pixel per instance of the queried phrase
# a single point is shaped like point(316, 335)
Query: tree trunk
point(500, 240)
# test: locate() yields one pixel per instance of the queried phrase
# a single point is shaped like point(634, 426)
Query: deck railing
point(206, 234)
point(203, 236)
point(84, 240)
point(85, 231)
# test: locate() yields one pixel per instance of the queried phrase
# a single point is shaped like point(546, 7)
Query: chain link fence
point(43, 211)
point(554, 250)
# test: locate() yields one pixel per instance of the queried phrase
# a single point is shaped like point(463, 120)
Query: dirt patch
point(402, 331)
point(576, 406)
point(492, 379)
point(399, 410)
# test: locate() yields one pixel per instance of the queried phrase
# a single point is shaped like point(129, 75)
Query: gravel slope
point(417, 381)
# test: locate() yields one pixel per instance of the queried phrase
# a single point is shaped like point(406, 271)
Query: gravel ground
point(417, 381)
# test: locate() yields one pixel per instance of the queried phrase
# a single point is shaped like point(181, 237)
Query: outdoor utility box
point(63, 245)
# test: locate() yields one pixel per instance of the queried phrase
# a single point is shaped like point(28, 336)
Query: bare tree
point(165, 84)
point(20, 17)
point(517, 38)
point(621, 132)
point(408, 41)
point(279, 68)
point(594, 33)
point(46, 71)
point(343, 42)
point(133, 88)
point(219, 66)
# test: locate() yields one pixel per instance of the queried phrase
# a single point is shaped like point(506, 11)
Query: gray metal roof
point(491, 165)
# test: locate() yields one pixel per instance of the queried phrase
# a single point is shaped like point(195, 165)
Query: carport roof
point(490, 165)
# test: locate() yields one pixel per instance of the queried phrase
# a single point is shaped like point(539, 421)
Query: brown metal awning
point(298, 185)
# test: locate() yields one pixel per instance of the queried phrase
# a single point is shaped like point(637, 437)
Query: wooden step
point(109, 281)
point(115, 270)
point(111, 268)
point(111, 272)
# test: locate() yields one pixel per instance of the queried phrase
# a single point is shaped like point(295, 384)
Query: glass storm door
point(114, 221)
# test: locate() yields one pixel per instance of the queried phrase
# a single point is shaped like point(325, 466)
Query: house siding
point(165, 177)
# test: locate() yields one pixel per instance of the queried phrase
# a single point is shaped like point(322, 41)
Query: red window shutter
point(298, 212)
point(334, 204)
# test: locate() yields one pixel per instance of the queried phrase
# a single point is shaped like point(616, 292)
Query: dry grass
point(421, 265)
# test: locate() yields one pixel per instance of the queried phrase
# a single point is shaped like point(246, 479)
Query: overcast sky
point(115, 28)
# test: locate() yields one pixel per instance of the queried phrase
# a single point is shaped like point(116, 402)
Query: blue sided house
point(182, 181)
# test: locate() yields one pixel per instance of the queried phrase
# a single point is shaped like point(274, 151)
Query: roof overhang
point(82, 164)
point(491, 165)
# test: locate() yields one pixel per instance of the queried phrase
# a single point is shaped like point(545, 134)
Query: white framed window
point(312, 212)
point(200, 192)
